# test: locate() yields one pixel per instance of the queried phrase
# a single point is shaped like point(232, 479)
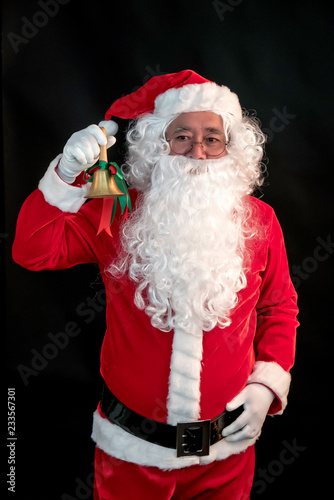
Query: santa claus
point(201, 332)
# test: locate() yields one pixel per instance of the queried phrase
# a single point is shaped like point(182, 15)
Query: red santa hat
point(176, 93)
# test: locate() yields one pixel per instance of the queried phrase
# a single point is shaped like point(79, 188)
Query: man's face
point(199, 133)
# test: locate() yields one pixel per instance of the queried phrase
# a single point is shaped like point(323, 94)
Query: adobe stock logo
point(310, 264)
point(223, 7)
point(288, 454)
point(30, 27)
point(278, 122)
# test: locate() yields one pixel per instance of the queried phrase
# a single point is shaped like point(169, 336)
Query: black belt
point(190, 438)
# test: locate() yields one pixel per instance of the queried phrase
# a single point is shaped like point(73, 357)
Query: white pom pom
point(110, 126)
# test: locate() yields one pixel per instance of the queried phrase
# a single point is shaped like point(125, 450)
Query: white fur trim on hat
point(198, 97)
point(272, 375)
point(60, 194)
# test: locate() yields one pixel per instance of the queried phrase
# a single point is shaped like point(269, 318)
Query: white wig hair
point(146, 139)
point(202, 288)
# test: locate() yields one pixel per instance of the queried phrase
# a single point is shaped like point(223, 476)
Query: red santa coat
point(173, 376)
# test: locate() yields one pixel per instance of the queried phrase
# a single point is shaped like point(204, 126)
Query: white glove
point(256, 399)
point(83, 148)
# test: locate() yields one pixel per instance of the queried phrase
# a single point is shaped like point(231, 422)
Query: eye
point(213, 140)
point(182, 138)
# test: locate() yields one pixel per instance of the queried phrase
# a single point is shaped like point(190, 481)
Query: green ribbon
point(101, 165)
point(124, 201)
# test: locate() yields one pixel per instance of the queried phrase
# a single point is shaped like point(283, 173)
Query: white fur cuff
point(60, 194)
point(275, 378)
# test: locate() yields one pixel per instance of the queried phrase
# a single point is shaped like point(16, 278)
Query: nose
point(197, 152)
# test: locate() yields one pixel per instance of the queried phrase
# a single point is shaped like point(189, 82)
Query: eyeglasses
point(212, 145)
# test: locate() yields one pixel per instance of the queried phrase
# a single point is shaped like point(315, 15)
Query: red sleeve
point(47, 238)
point(275, 338)
point(277, 306)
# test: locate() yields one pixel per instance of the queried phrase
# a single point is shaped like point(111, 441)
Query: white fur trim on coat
point(120, 444)
point(183, 405)
point(198, 97)
point(60, 194)
point(183, 402)
point(272, 375)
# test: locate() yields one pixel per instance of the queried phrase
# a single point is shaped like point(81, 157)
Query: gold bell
point(103, 184)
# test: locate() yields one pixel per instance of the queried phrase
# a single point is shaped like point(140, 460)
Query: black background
point(64, 63)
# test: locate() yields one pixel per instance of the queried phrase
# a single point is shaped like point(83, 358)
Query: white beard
point(184, 243)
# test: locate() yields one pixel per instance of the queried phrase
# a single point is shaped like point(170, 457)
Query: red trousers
point(229, 479)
